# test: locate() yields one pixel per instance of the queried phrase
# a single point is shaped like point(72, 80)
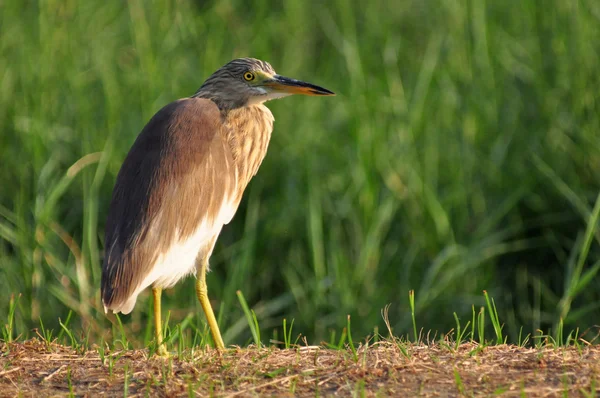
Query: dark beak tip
point(323, 91)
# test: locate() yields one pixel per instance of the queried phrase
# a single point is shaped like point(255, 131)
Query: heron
point(183, 180)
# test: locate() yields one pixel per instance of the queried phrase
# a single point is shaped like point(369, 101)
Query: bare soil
point(37, 368)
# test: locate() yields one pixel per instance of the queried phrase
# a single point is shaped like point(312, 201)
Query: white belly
point(176, 262)
point(180, 260)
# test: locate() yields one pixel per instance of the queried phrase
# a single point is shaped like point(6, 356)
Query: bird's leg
point(161, 349)
point(202, 294)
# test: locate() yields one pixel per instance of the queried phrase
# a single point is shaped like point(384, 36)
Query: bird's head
point(249, 81)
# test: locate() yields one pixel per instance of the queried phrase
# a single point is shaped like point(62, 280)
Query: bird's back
point(181, 181)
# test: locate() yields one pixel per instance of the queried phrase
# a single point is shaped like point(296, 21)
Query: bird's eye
point(249, 76)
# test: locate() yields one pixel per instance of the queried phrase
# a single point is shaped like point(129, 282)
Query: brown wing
point(179, 168)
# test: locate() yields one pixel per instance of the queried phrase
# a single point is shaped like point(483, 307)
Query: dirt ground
point(36, 368)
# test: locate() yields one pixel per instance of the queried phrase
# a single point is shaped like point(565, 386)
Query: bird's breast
point(248, 133)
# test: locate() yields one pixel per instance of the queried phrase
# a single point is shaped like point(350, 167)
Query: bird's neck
point(248, 131)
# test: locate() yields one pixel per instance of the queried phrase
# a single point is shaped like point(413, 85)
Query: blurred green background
point(461, 153)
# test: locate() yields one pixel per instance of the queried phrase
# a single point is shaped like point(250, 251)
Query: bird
point(182, 181)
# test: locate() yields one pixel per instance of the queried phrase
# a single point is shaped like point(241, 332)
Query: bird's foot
point(162, 351)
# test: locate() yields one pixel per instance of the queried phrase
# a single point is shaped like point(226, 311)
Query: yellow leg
point(202, 294)
point(161, 349)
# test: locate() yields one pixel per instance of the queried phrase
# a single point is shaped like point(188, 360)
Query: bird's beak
point(293, 86)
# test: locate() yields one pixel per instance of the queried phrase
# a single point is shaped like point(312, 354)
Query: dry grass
point(37, 368)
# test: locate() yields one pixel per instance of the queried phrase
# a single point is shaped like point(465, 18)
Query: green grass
point(461, 154)
point(260, 369)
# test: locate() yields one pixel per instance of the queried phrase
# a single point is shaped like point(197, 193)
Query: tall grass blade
point(251, 319)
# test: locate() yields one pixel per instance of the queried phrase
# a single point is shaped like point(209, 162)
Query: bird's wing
point(178, 175)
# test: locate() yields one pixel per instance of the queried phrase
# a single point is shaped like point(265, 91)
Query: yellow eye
point(249, 76)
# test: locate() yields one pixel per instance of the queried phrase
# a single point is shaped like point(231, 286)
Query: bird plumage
point(226, 86)
point(177, 191)
point(183, 179)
